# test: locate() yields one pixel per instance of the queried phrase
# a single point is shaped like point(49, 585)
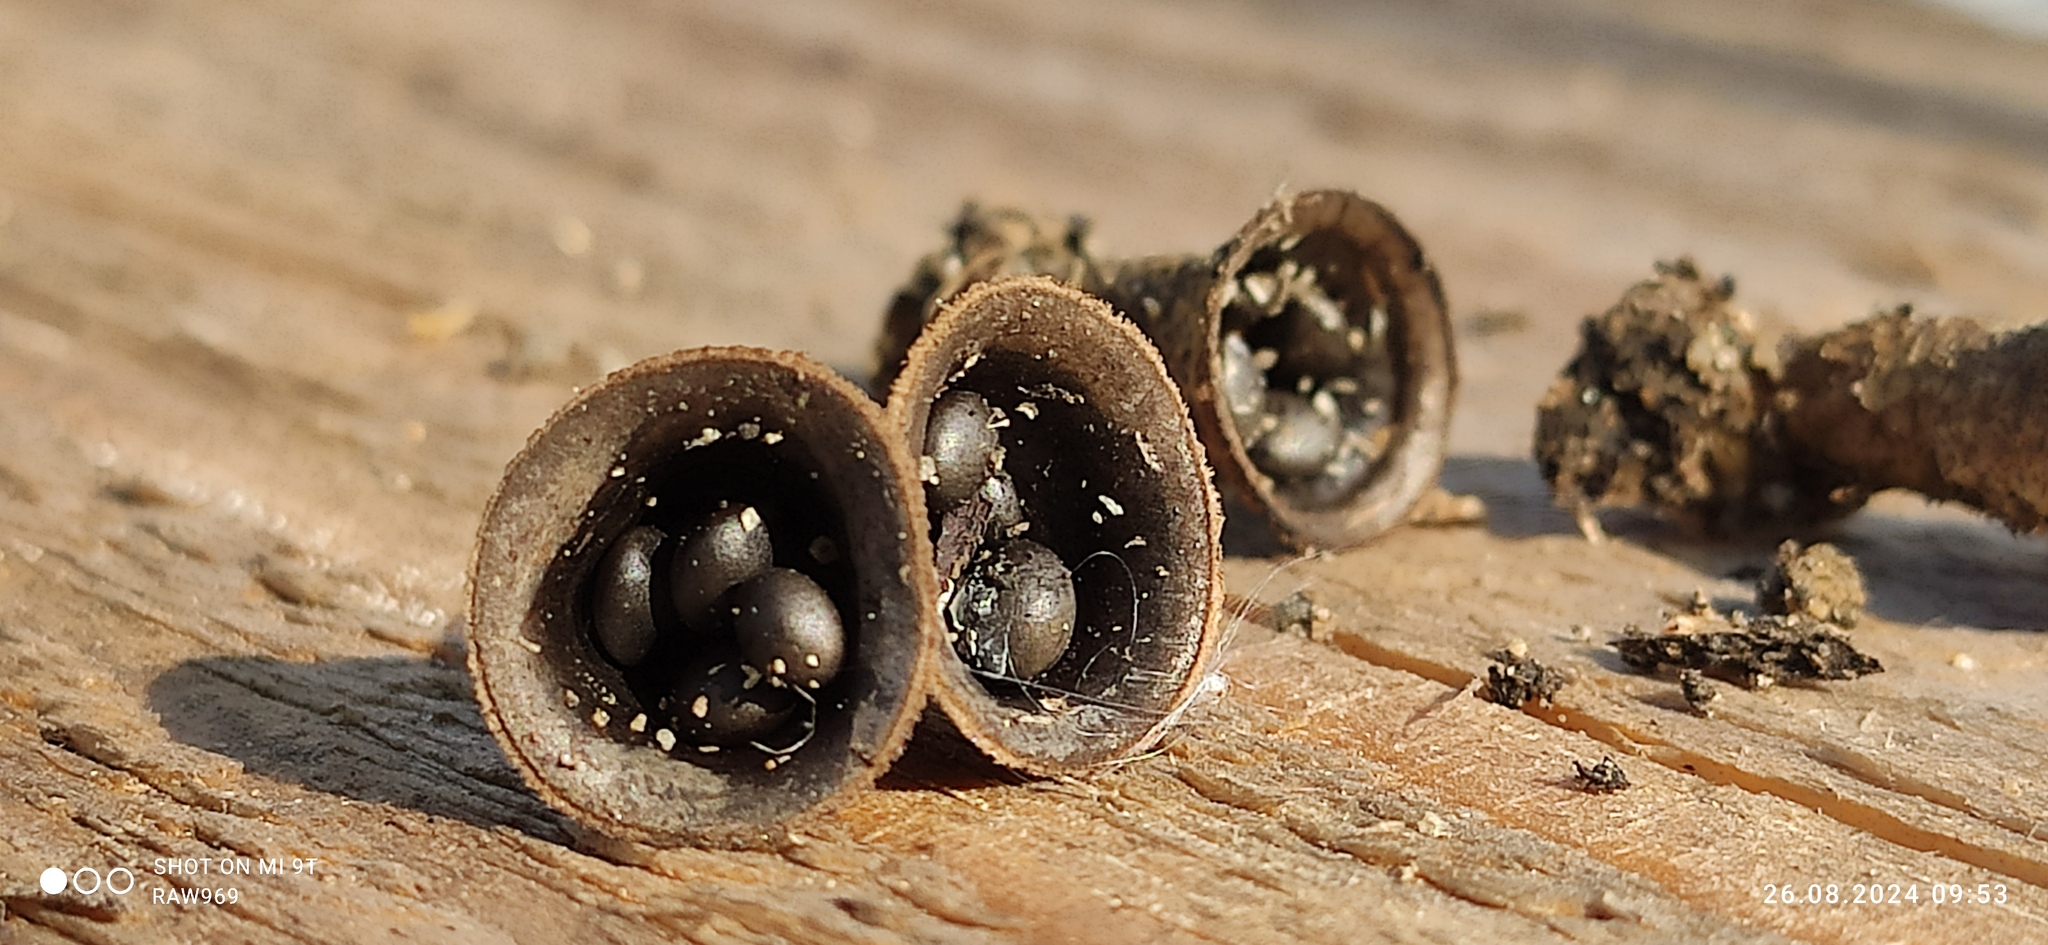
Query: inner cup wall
point(1066, 460)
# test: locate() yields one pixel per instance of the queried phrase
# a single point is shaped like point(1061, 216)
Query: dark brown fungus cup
point(1095, 478)
point(689, 441)
point(1314, 350)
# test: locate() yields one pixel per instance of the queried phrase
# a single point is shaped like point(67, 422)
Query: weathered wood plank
point(282, 288)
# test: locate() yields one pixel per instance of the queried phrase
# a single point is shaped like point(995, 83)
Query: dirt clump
point(1601, 777)
point(1816, 581)
point(1755, 653)
point(1677, 402)
point(1516, 679)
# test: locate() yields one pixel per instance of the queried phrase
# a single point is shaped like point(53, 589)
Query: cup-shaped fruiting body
point(1314, 350)
point(702, 600)
point(1080, 582)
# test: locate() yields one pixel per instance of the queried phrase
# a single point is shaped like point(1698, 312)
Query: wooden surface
point(283, 286)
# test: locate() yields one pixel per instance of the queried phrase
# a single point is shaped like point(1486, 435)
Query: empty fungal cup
point(701, 600)
point(1075, 531)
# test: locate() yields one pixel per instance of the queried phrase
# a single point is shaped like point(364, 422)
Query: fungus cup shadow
point(1517, 500)
point(754, 439)
point(1314, 350)
point(1103, 458)
point(384, 730)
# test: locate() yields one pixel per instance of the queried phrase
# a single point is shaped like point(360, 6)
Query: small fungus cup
point(702, 602)
point(1314, 350)
point(1076, 532)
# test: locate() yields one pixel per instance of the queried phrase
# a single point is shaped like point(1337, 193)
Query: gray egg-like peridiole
point(730, 547)
point(1014, 610)
point(961, 444)
point(789, 629)
point(622, 600)
point(722, 701)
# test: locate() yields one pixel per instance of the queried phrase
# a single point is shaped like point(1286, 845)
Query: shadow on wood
point(386, 730)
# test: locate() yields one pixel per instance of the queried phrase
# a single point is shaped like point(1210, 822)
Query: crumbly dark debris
point(1516, 680)
point(1755, 653)
point(987, 242)
point(1817, 581)
point(1668, 404)
point(1602, 777)
point(1673, 403)
point(1699, 692)
point(1299, 614)
point(962, 532)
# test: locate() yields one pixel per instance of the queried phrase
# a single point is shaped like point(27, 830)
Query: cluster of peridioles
point(1010, 612)
point(1309, 388)
point(767, 637)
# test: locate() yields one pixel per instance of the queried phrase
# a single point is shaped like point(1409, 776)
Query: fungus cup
point(1095, 488)
point(679, 741)
point(1314, 350)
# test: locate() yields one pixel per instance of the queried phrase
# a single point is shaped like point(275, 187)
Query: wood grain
point(283, 287)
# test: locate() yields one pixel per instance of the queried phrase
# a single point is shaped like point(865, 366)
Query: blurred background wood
point(283, 286)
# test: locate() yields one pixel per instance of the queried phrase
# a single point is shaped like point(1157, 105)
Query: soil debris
point(1602, 777)
point(1515, 679)
point(1664, 406)
point(1755, 653)
point(1676, 402)
point(1817, 581)
point(1299, 614)
point(1699, 692)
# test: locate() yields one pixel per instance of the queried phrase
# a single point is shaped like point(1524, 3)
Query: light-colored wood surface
point(282, 287)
